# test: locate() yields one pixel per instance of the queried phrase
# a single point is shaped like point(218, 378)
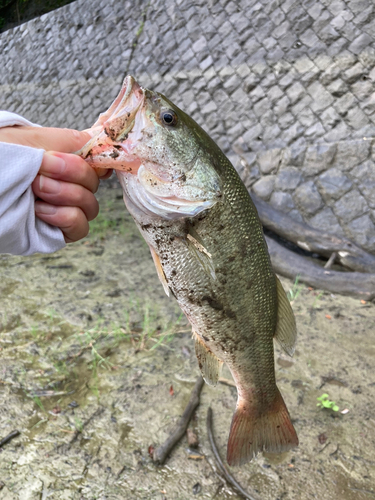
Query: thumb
point(64, 140)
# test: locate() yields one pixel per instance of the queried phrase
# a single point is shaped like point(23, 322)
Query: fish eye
point(169, 117)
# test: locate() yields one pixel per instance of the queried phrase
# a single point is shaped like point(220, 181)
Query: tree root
point(290, 264)
point(161, 453)
point(347, 253)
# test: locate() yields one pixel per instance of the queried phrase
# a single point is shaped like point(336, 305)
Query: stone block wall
point(283, 86)
point(329, 185)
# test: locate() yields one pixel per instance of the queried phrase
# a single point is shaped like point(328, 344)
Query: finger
point(66, 194)
point(103, 173)
point(48, 138)
point(71, 220)
point(69, 168)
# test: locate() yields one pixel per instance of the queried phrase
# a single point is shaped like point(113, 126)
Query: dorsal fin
point(209, 364)
point(286, 329)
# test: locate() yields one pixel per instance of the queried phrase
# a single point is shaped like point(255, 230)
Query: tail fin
point(252, 432)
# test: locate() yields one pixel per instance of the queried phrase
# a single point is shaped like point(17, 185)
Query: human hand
point(65, 183)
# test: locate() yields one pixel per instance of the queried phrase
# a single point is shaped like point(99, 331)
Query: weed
point(100, 226)
point(34, 331)
point(294, 292)
point(316, 300)
point(78, 424)
point(324, 402)
point(107, 222)
point(38, 402)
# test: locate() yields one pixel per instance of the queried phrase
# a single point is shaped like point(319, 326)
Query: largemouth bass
point(207, 244)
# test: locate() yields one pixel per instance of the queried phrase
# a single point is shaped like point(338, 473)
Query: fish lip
point(110, 131)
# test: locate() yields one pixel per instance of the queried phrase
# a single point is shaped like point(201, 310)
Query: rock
point(367, 188)
point(350, 153)
point(333, 184)
point(282, 201)
point(325, 220)
point(269, 160)
point(362, 230)
point(365, 171)
point(350, 206)
point(288, 178)
point(318, 158)
point(264, 187)
point(308, 198)
point(360, 43)
point(321, 97)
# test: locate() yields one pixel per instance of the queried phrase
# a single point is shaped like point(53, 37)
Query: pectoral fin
point(209, 364)
point(201, 254)
point(160, 271)
point(286, 330)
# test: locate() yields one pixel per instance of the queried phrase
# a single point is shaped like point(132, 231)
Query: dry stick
point(9, 437)
point(289, 264)
point(77, 432)
point(161, 452)
point(230, 479)
point(313, 240)
point(330, 261)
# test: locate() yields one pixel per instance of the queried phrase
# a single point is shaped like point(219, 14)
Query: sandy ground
point(97, 364)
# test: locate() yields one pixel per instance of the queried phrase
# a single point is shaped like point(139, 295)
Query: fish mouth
point(110, 146)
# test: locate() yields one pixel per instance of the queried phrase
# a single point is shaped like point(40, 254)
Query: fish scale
point(209, 250)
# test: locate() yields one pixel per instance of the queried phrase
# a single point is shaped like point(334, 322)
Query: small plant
point(316, 300)
point(324, 402)
point(78, 424)
point(38, 402)
point(294, 292)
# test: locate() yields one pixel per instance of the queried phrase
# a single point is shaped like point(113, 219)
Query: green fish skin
point(207, 243)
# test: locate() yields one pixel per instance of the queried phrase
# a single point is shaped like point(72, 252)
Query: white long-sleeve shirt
point(21, 232)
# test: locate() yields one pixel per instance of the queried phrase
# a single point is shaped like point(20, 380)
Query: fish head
point(159, 154)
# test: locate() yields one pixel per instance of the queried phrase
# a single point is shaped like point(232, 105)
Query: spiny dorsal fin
point(209, 364)
point(160, 271)
point(286, 330)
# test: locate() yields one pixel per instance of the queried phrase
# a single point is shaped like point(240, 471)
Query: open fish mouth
point(111, 147)
point(137, 137)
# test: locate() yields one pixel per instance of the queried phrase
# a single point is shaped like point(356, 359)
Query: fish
point(207, 243)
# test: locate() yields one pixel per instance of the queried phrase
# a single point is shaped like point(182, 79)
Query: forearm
point(21, 232)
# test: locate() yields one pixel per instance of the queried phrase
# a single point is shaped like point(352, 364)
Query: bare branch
point(289, 264)
point(161, 452)
point(313, 240)
point(223, 470)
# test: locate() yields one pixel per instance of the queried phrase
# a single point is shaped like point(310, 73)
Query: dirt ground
point(97, 364)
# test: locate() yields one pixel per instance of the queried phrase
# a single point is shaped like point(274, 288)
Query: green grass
point(294, 292)
point(102, 225)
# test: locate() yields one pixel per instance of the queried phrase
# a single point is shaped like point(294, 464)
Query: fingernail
point(48, 185)
point(44, 208)
point(53, 164)
point(90, 131)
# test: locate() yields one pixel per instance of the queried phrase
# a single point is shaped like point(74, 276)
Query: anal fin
point(160, 270)
point(286, 329)
point(209, 364)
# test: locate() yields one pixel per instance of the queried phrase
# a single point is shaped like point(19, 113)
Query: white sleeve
point(21, 232)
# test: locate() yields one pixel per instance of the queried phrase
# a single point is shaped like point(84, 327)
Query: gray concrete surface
point(265, 78)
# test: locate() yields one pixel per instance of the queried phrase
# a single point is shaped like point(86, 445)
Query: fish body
point(209, 251)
